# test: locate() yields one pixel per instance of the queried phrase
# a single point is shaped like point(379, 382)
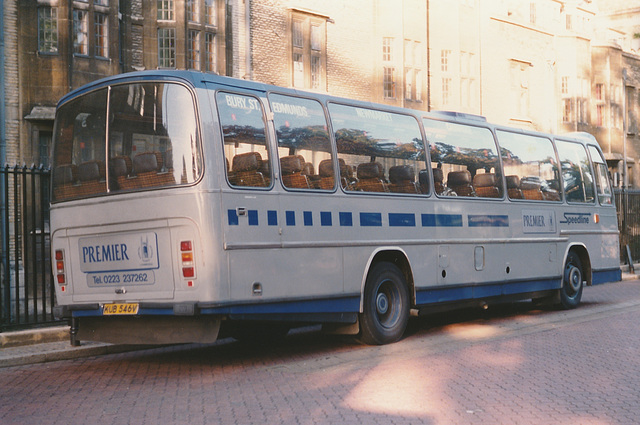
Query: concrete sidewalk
point(48, 345)
point(53, 343)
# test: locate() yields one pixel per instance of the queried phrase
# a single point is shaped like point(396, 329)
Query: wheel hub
point(382, 303)
point(573, 278)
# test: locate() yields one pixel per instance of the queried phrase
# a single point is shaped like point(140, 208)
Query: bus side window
point(385, 149)
point(530, 167)
point(304, 145)
point(245, 141)
point(576, 172)
point(467, 156)
point(603, 183)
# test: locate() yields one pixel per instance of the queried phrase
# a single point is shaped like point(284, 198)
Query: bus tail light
point(187, 262)
point(60, 271)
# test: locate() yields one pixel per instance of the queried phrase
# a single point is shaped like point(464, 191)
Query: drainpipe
point(247, 33)
point(3, 133)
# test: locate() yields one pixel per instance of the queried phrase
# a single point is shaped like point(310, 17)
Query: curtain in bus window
point(576, 172)
point(79, 148)
point(530, 167)
point(304, 147)
point(379, 151)
point(603, 183)
point(245, 142)
point(153, 138)
point(465, 160)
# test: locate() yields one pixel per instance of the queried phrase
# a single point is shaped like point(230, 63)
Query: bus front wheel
point(386, 305)
point(572, 282)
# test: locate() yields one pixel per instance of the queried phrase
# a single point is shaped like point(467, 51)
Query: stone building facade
point(548, 65)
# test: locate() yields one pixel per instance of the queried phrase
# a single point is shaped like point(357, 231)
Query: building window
point(412, 70)
point(444, 60)
point(446, 91)
point(308, 53)
point(316, 72)
point(47, 29)
point(102, 2)
point(599, 115)
point(298, 38)
point(532, 13)
point(298, 70)
point(565, 85)
point(599, 91)
point(166, 48)
point(80, 31)
point(193, 11)
point(193, 50)
point(165, 10)
point(389, 83)
point(520, 88)
point(102, 35)
point(210, 48)
point(210, 12)
point(566, 110)
point(387, 49)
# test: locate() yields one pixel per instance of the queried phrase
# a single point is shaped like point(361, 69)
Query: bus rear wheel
point(386, 305)
point(572, 282)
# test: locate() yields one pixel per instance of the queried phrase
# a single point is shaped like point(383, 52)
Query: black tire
point(386, 305)
point(572, 282)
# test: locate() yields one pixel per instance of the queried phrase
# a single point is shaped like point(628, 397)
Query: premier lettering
point(533, 220)
point(105, 253)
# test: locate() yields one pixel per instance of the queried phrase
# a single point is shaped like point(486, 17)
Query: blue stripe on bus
point(604, 276)
point(373, 219)
point(441, 220)
point(307, 218)
point(253, 217)
point(460, 293)
point(484, 220)
point(370, 219)
point(233, 217)
point(402, 220)
point(290, 218)
point(346, 219)
point(349, 304)
point(325, 218)
point(272, 218)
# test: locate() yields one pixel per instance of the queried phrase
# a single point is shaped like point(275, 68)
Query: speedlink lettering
point(576, 218)
point(105, 253)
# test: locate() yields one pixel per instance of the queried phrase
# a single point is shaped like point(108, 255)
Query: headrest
point(291, 164)
point(147, 161)
point(325, 169)
point(513, 182)
point(485, 180)
point(249, 161)
point(459, 178)
point(120, 166)
point(370, 170)
point(400, 173)
point(65, 174)
point(90, 171)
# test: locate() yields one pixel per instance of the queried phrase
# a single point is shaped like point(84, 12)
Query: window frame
point(48, 36)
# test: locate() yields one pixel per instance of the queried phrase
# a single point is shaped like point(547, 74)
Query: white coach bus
point(185, 203)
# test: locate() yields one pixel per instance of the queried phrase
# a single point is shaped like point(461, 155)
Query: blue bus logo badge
point(145, 251)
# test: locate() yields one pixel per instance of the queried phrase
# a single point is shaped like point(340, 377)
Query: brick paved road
point(509, 365)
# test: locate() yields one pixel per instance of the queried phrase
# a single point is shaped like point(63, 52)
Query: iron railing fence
point(628, 207)
point(26, 283)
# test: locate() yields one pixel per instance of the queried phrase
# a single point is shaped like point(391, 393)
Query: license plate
point(120, 308)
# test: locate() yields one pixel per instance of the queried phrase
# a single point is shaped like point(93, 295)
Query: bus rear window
point(152, 141)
